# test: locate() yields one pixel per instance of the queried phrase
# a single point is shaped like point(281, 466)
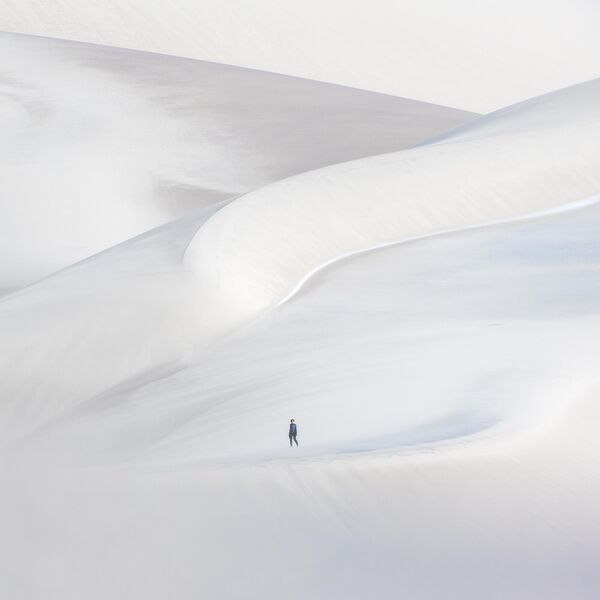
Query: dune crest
point(535, 156)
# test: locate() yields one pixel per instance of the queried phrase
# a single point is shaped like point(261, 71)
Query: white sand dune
point(534, 156)
point(477, 56)
point(253, 253)
point(428, 315)
point(99, 144)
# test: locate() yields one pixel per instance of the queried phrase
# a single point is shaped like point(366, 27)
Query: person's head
point(292, 420)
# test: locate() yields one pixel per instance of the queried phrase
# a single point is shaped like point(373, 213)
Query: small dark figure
point(293, 432)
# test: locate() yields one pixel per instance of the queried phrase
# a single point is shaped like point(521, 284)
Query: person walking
point(293, 432)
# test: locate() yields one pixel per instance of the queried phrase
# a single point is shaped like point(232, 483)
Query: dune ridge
point(535, 156)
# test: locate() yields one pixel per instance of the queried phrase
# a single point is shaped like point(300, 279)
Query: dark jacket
point(293, 429)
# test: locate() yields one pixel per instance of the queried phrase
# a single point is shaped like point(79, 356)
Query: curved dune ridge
point(534, 156)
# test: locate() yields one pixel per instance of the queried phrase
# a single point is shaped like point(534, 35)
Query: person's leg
point(295, 439)
point(290, 440)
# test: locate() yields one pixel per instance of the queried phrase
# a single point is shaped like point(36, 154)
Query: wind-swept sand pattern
point(419, 292)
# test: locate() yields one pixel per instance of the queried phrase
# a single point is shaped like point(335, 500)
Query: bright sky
point(475, 55)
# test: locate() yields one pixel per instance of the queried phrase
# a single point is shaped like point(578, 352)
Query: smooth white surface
point(476, 56)
point(445, 387)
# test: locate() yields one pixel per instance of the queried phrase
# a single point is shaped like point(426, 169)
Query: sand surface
point(420, 293)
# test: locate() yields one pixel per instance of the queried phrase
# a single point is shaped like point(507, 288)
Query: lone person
point(293, 432)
